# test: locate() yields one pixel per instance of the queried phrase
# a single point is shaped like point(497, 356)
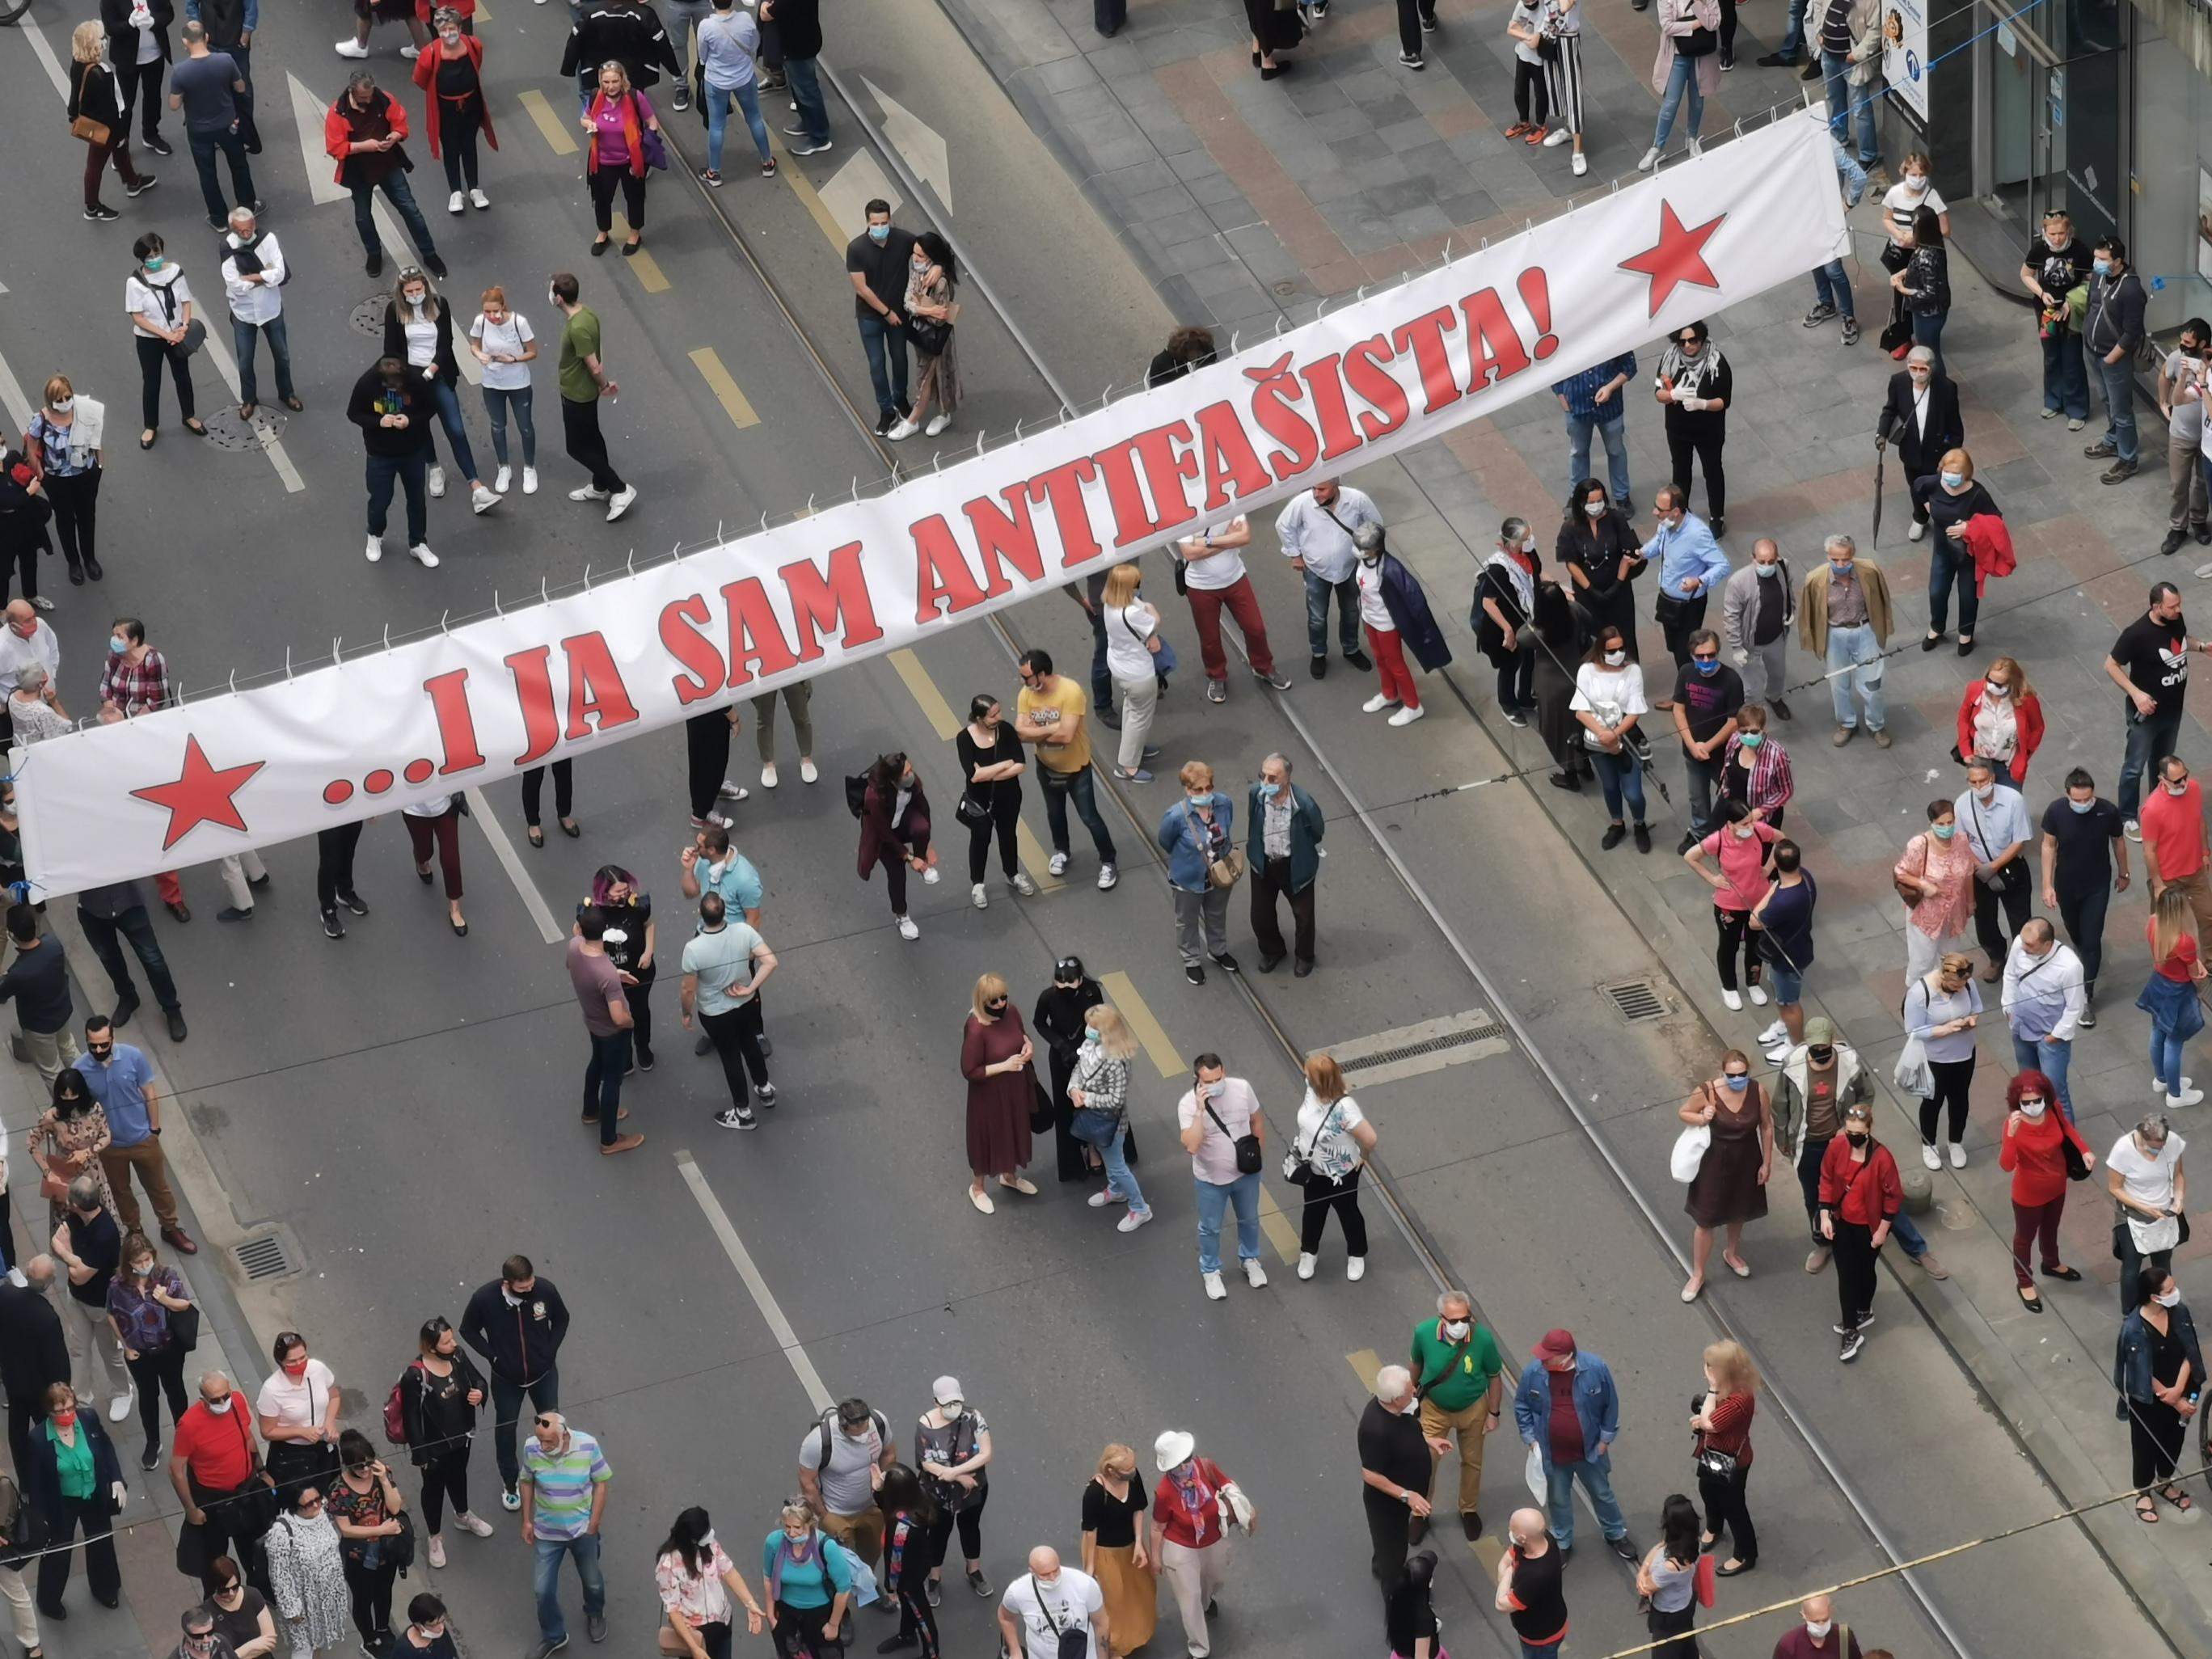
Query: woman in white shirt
point(418, 330)
point(1608, 701)
point(298, 1407)
point(1333, 1139)
point(1133, 647)
point(2144, 1176)
point(438, 818)
point(159, 304)
point(503, 342)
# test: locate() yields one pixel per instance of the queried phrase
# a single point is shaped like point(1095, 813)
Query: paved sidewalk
point(1247, 201)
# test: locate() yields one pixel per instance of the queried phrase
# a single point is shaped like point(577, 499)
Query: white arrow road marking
point(47, 61)
point(921, 144)
point(11, 394)
point(847, 191)
point(308, 110)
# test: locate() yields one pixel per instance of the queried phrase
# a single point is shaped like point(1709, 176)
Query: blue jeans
point(1213, 1199)
point(1614, 434)
point(242, 338)
point(1596, 1476)
point(806, 93)
point(1619, 775)
point(1843, 98)
point(1793, 39)
point(2166, 1053)
point(232, 143)
point(1318, 589)
point(457, 434)
point(411, 472)
point(602, 1081)
point(396, 191)
point(1856, 652)
point(2065, 375)
point(1927, 331)
point(1831, 287)
point(886, 349)
point(1681, 81)
point(1082, 788)
point(546, 1580)
point(747, 98)
point(2150, 742)
point(1121, 1178)
point(2051, 1058)
point(1950, 562)
point(2118, 381)
point(498, 406)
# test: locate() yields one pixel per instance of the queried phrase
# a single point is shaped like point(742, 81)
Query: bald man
point(1529, 1591)
point(1047, 1599)
point(27, 639)
point(214, 1458)
point(1820, 1636)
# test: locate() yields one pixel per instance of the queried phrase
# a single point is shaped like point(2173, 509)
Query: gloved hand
point(117, 1494)
point(1691, 404)
point(1742, 658)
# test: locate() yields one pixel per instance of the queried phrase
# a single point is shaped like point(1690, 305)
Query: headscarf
point(1192, 1490)
point(631, 134)
point(1517, 575)
point(1689, 375)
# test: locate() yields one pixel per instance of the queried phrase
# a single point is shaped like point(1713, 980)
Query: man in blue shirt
point(122, 1080)
point(1690, 565)
point(714, 866)
point(1592, 400)
point(1566, 1409)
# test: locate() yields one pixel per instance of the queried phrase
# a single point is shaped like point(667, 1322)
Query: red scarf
point(631, 134)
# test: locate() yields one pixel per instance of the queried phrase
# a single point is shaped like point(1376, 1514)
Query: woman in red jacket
point(894, 832)
point(1860, 1196)
point(2000, 718)
point(454, 107)
point(2034, 1149)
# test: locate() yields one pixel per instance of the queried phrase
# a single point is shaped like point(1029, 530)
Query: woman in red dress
point(994, 1058)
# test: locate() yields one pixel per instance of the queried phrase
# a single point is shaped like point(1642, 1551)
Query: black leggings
point(1532, 101)
point(1704, 444)
point(152, 353)
point(457, 125)
point(917, 1619)
point(1728, 30)
point(1005, 814)
point(2155, 1436)
point(1323, 1195)
point(1725, 1511)
point(1516, 680)
point(799, 1631)
point(603, 198)
point(1735, 935)
point(140, 86)
point(159, 1371)
point(1954, 1077)
point(372, 1596)
point(970, 1522)
point(445, 1475)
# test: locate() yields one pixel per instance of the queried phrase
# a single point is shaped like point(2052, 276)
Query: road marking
point(533, 901)
point(708, 362)
point(1035, 856)
point(923, 690)
point(921, 144)
point(483, 12)
point(1122, 991)
point(307, 113)
point(1364, 1363)
point(649, 274)
point(550, 125)
point(264, 426)
point(847, 193)
point(47, 61)
point(787, 170)
point(763, 1299)
point(1277, 1226)
point(11, 392)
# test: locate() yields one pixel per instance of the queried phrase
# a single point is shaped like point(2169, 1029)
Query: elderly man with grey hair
point(1757, 606)
point(253, 277)
point(89, 1246)
point(1459, 1374)
point(35, 712)
point(1920, 417)
point(1394, 1470)
point(1843, 619)
point(1283, 829)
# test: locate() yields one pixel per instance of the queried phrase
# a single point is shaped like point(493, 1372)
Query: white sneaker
point(477, 198)
point(768, 774)
point(907, 929)
point(1099, 1201)
point(352, 49)
point(936, 424)
point(1556, 137)
point(1772, 1035)
point(410, 53)
point(1215, 1290)
point(581, 493)
point(1916, 531)
point(620, 504)
point(1957, 1155)
point(1131, 1222)
point(929, 876)
point(421, 553)
point(1733, 999)
point(16, 1278)
point(978, 897)
point(1758, 994)
point(530, 481)
point(1307, 1264)
point(729, 789)
point(808, 772)
point(1108, 876)
point(1378, 703)
point(2134, 830)
point(438, 1544)
point(482, 499)
point(454, 203)
point(1650, 159)
point(1056, 865)
point(1255, 1274)
point(437, 481)
point(902, 430)
point(2186, 1098)
point(502, 478)
point(1930, 1157)
point(1780, 1055)
point(1407, 716)
point(375, 549)
point(1355, 1268)
point(119, 1408)
point(1023, 885)
point(1581, 164)
point(481, 1529)
point(2157, 1088)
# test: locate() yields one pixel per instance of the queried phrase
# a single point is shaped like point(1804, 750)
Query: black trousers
point(1725, 1511)
point(917, 1621)
point(152, 354)
point(23, 556)
point(2155, 1436)
point(445, 1476)
point(140, 85)
point(1270, 879)
point(1006, 816)
point(1954, 1080)
point(1389, 1529)
point(969, 1521)
point(2013, 895)
point(737, 1039)
point(457, 126)
point(580, 434)
point(1705, 444)
point(1532, 98)
point(603, 183)
point(1855, 1276)
point(1323, 1195)
point(640, 1014)
point(2083, 913)
point(90, 1515)
point(1410, 13)
point(564, 791)
point(707, 752)
point(334, 850)
point(159, 1371)
point(372, 1596)
point(76, 502)
point(1516, 680)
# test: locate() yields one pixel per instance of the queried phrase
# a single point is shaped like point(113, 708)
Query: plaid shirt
point(1770, 783)
point(137, 689)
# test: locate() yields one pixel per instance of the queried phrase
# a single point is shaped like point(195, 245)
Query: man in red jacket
point(362, 133)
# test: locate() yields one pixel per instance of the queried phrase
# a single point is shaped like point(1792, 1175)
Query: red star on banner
point(1678, 257)
point(201, 794)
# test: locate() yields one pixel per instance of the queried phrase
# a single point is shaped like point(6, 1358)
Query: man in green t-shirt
point(1457, 1371)
point(583, 379)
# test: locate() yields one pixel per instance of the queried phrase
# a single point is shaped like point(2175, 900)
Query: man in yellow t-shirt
point(1052, 714)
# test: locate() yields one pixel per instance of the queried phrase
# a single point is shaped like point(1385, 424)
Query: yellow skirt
point(1132, 1598)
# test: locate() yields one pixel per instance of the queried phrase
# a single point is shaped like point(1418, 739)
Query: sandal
point(2170, 1493)
point(2145, 1511)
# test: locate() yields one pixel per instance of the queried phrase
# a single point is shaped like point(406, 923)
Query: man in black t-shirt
point(2058, 263)
point(1707, 695)
point(90, 1247)
point(2150, 662)
point(876, 261)
point(2081, 836)
point(1394, 1468)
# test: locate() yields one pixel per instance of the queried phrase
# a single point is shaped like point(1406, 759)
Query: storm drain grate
point(1634, 999)
point(1482, 1033)
point(265, 1258)
point(1428, 1045)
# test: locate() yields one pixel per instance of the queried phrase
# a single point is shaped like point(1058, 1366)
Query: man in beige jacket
point(1843, 619)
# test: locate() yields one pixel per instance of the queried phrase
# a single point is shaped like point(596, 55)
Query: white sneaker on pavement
point(902, 430)
point(733, 791)
point(1957, 1155)
point(530, 481)
point(1023, 885)
point(1930, 1157)
point(1355, 1268)
point(979, 897)
point(468, 1519)
point(1108, 876)
point(375, 549)
point(1215, 1290)
point(620, 504)
point(502, 478)
point(586, 492)
point(454, 203)
point(352, 49)
point(1378, 703)
point(2157, 1088)
point(907, 929)
point(1733, 999)
point(808, 772)
point(1307, 1264)
point(936, 424)
point(438, 1544)
point(1056, 865)
point(1773, 1033)
point(1758, 994)
point(421, 553)
point(1131, 1222)
point(1099, 1201)
point(1407, 716)
point(119, 1408)
point(1255, 1274)
point(1580, 164)
point(477, 198)
point(2186, 1098)
point(1557, 136)
point(482, 499)
point(1650, 159)
point(437, 481)
point(768, 774)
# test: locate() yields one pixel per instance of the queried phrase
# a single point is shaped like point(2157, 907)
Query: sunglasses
point(230, 1589)
point(1706, 656)
point(1736, 1074)
point(2031, 1100)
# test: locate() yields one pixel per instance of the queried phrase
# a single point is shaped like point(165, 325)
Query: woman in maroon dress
point(994, 1058)
point(1730, 1187)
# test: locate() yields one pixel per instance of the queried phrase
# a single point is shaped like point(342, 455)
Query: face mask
point(450, 38)
point(1707, 664)
point(1768, 571)
point(951, 1409)
point(295, 1368)
point(998, 1008)
point(1595, 509)
point(219, 1408)
point(141, 1269)
point(1737, 1081)
point(117, 646)
point(879, 234)
point(1199, 797)
point(918, 265)
point(1091, 1036)
point(1743, 831)
point(156, 261)
point(2033, 1110)
point(2080, 806)
point(551, 298)
point(2102, 267)
point(1455, 1331)
point(1614, 659)
point(1751, 739)
point(1528, 546)
point(1820, 1054)
point(2171, 1299)
point(1213, 1090)
point(1944, 831)
point(1819, 1632)
point(1835, 569)
point(63, 1419)
point(1985, 794)
point(2180, 788)
point(61, 405)
point(1955, 480)
point(1269, 790)
point(1915, 182)
point(1919, 376)
point(417, 299)
point(1857, 1137)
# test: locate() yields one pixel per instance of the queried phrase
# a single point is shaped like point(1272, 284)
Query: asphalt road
point(403, 1102)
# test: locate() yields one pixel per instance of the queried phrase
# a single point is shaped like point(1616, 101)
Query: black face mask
point(1857, 1137)
point(1821, 1055)
point(995, 1007)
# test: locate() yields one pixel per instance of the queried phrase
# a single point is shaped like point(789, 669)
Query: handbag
point(1911, 896)
point(928, 335)
point(1041, 1108)
point(1689, 1153)
point(1225, 872)
point(195, 338)
point(656, 150)
point(2077, 1167)
point(1249, 1154)
point(1298, 1166)
point(1070, 1642)
point(98, 133)
point(1700, 42)
point(185, 1327)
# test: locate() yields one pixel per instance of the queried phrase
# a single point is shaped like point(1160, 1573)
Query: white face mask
point(2170, 1299)
point(2033, 1110)
point(1614, 659)
point(1595, 509)
point(61, 405)
point(551, 298)
point(219, 1408)
point(1768, 569)
point(1983, 793)
point(1819, 1630)
point(1454, 1331)
point(1999, 688)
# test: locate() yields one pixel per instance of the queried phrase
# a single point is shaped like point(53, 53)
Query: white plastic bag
point(1535, 1475)
point(1913, 1075)
point(1690, 1148)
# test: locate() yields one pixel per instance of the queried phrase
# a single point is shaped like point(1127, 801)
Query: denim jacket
point(1181, 837)
point(2131, 1363)
point(1596, 1402)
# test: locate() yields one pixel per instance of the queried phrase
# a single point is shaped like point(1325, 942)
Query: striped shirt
point(560, 1484)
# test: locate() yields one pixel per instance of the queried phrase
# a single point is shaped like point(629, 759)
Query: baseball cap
point(1556, 1345)
point(1819, 1031)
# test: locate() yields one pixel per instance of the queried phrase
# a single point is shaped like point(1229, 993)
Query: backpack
point(395, 1409)
point(827, 1428)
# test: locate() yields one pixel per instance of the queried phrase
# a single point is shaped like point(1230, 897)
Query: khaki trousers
point(49, 1051)
point(153, 1175)
point(1438, 1424)
point(862, 1533)
point(1195, 1577)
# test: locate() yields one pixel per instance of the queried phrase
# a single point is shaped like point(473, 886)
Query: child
point(1528, 86)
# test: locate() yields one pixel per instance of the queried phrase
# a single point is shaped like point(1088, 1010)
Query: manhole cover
point(1634, 999)
point(227, 431)
point(265, 1257)
point(368, 316)
point(1285, 289)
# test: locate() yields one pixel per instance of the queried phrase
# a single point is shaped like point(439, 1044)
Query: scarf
point(631, 135)
point(787, 1551)
point(1524, 585)
point(1193, 1493)
point(1689, 376)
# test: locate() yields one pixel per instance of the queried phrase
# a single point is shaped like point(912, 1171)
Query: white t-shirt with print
point(1073, 1597)
point(1368, 573)
point(1325, 1134)
point(1900, 203)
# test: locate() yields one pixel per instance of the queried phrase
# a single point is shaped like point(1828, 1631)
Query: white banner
point(641, 652)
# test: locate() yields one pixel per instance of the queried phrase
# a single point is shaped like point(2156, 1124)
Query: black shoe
point(218, 224)
point(1614, 835)
point(332, 928)
point(704, 1046)
point(1360, 660)
point(2204, 534)
point(893, 1643)
point(1108, 719)
point(100, 213)
point(1563, 780)
point(373, 265)
point(181, 910)
point(1812, 70)
point(354, 903)
point(1689, 838)
point(160, 146)
point(57, 1611)
point(125, 1007)
point(176, 1018)
point(1194, 975)
point(75, 573)
point(1782, 710)
point(114, 1600)
point(1470, 1523)
point(91, 568)
point(1226, 963)
point(2071, 1275)
point(1642, 838)
point(146, 182)
point(1720, 524)
point(1318, 667)
point(434, 265)
point(2174, 538)
point(1776, 60)
point(1268, 964)
point(151, 1457)
point(1623, 1546)
point(886, 421)
point(1515, 717)
point(1300, 970)
point(232, 913)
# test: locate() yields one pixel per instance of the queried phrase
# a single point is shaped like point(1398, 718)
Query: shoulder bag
point(1070, 1641)
point(1913, 896)
point(931, 335)
point(1249, 1154)
point(97, 133)
point(1700, 42)
point(1692, 1145)
point(1223, 871)
point(1422, 1384)
point(971, 808)
point(1298, 1166)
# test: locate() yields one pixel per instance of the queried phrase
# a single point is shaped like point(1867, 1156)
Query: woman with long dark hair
point(932, 278)
point(418, 330)
point(697, 1579)
point(439, 1396)
point(629, 942)
point(1407, 1616)
point(1602, 556)
point(992, 764)
point(1668, 1576)
point(894, 832)
point(909, 1520)
point(1925, 281)
point(1058, 1018)
point(1561, 641)
point(2158, 1372)
point(364, 1504)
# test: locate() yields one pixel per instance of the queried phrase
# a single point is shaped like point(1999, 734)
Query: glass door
point(2057, 115)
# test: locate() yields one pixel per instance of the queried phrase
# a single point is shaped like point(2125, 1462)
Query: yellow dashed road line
point(786, 168)
point(551, 127)
point(708, 362)
point(649, 275)
point(939, 712)
point(1122, 991)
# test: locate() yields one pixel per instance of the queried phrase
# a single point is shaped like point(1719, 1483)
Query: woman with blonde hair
point(1950, 497)
point(418, 330)
point(1002, 1090)
point(1133, 649)
point(1114, 1507)
point(2001, 719)
point(1330, 1145)
point(63, 444)
point(2170, 997)
point(1100, 1092)
point(623, 138)
point(95, 96)
point(1198, 832)
point(1721, 1422)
